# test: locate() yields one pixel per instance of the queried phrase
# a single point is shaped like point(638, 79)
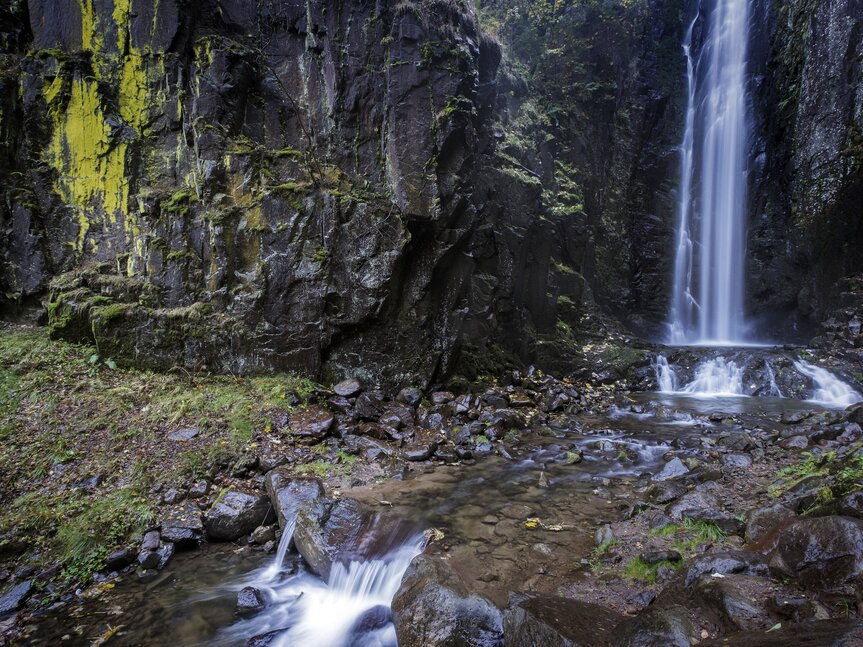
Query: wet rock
point(654, 627)
point(547, 620)
point(371, 620)
point(795, 442)
point(327, 528)
point(422, 453)
point(347, 388)
point(702, 504)
point(736, 461)
point(339, 404)
point(172, 496)
point(805, 493)
point(442, 397)
point(199, 490)
point(151, 540)
point(604, 535)
point(312, 425)
point(796, 608)
point(725, 563)
point(520, 399)
point(236, 513)
point(149, 559)
point(762, 520)
point(185, 434)
point(795, 417)
point(672, 469)
point(165, 553)
point(410, 396)
point(266, 639)
point(287, 493)
point(433, 609)
point(665, 491)
point(850, 505)
point(12, 599)
point(370, 406)
point(182, 525)
point(727, 595)
point(820, 553)
point(263, 534)
point(119, 559)
point(250, 601)
point(826, 633)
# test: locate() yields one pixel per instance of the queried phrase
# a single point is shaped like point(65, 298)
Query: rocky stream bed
point(536, 512)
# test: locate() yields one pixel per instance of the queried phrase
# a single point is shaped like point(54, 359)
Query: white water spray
point(774, 387)
point(707, 309)
point(829, 390)
point(713, 378)
point(666, 378)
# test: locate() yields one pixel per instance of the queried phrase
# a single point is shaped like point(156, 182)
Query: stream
point(519, 524)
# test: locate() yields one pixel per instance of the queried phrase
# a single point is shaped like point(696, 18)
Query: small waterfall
point(666, 378)
point(351, 609)
point(716, 377)
point(829, 390)
point(707, 304)
point(775, 391)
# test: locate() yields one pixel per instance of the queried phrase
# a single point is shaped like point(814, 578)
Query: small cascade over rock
point(351, 609)
point(830, 391)
point(715, 377)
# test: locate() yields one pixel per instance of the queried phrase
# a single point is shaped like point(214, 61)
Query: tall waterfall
point(707, 299)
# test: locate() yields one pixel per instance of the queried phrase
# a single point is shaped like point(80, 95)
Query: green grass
point(689, 534)
point(637, 570)
point(841, 474)
point(64, 418)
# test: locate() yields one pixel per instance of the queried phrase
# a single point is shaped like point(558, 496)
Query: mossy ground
point(67, 416)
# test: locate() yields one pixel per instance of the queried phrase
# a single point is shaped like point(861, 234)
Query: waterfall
point(666, 378)
point(716, 377)
point(774, 387)
point(829, 390)
point(707, 305)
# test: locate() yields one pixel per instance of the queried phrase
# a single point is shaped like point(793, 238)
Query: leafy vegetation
point(638, 570)
point(840, 474)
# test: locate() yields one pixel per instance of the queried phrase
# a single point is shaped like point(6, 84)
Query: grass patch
point(842, 474)
point(637, 570)
point(65, 419)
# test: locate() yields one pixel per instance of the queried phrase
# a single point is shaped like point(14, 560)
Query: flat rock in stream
point(433, 609)
point(236, 513)
point(182, 525)
point(287, 493)
point(673, 469)
point(551, 621)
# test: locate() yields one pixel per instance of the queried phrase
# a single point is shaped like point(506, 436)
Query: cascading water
point(715, 377)
point(666, 378)
point(351, 609)
point(829, 390)
point(707, 304)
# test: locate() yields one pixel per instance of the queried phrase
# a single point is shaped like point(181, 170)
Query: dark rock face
point(547, 621)
point(235, 514)
point(820, 553)
point(807, 173)
point(16, 596)
point(433, 609)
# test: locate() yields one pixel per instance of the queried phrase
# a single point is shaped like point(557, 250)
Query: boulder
point(250, 601)
point(672, 469)
point(737, 600)
point(654, 627)
point(725, 563)
point(312, 425)
point(236, 513)
point(702, 504)
point(287, 493)
point(550, 621)
point(762, 520)
point(433, 609)
point(410, 396)
point(368, 622)
point(327, 529)
point(347, 388)
point(821, 552)
point(370, 406)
